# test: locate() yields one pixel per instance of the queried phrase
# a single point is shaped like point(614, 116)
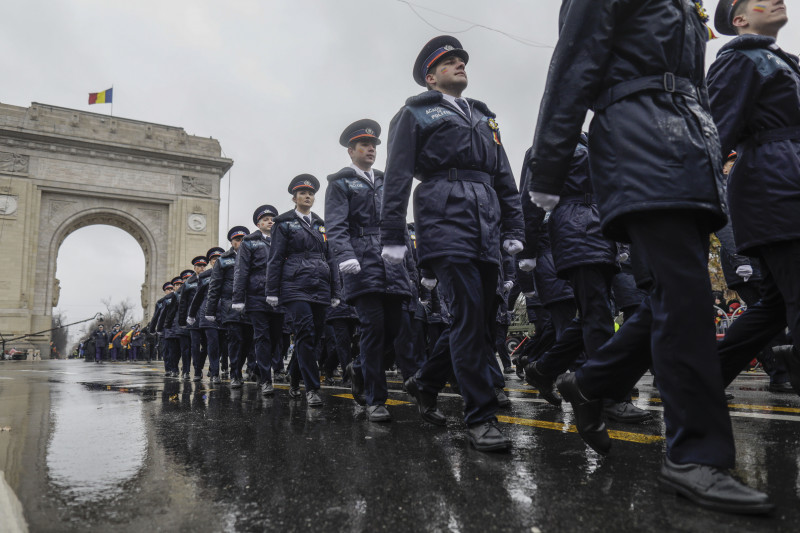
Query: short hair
point(738, 9)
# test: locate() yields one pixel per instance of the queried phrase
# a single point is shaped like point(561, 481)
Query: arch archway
point(63, 169)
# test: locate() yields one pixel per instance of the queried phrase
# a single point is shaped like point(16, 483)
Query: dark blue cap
point(167, 285)
point(723, 16)
point(303, 181)
point(435, 50)
point(361, 130)
point(200, 260)
point(237, 231)
point(262, 211)
point(186, 274)
point(214, 252)
point(177, 280)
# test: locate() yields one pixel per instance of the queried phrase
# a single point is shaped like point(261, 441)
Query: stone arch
point(64, 169)
point(119, 219)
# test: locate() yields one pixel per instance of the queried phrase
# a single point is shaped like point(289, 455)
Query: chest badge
point(324, 235)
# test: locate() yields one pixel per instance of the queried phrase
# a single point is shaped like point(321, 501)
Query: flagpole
point(112, 99)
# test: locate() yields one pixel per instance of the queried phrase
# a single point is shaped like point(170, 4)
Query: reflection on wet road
point(117, 446)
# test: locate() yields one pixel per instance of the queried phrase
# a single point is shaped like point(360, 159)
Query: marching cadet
point(219, 308)
point(197, 340)
point(161, 343)
point(249, 291)
point(754, 88)
point(466, 205)
point(656, 170)
point(100, 337)
point(115, 342)
point(184, 337)
point(303, 277)
point(585, 258)
point(136, 343)
point(376, 289)
point(212, 332)
point(166, 319)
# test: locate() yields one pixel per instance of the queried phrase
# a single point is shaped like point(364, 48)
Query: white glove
point(744, 272)
point(428, 283)
point(237, 307)
point(526, 265)
point(190, 320)
point(351, 266)
point(210, 318)
point(529, 294)
point(507, 286)
point(512, 246)
point(623, 257)
point(272, 300)
point(393, 253)
point(544, 200)
point(335, 302)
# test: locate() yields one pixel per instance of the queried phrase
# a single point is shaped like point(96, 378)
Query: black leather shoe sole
point(671, 487)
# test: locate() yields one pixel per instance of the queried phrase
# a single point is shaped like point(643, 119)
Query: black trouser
point(307, 320)
point(240, 341)
point(340, 333)
point(500, 344)
point(380, 316)
point(561, 314)
point(542, 341)
point(778, 307)
point(405, 355)
point(469, 286)
point(590, 285)
point(435, 330)
point(172, 354)
point(185, 343)
point(674, 324)
point(199, 350)
point(267, 332)
point(214, 343)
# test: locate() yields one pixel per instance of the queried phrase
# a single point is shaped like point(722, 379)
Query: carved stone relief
point(13, 162)
point(8, 204)
point(196, 222)
point(196, 186)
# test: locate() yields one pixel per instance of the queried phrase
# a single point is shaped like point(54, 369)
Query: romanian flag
point(104, 97)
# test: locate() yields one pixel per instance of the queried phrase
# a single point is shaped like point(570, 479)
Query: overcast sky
point(274, 81)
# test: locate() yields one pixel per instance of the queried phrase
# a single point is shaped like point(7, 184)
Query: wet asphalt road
point(118, 447)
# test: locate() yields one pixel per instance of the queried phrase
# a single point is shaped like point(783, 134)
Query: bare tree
point(59, 336)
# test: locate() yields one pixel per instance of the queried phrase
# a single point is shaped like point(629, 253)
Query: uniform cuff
point(393, 232)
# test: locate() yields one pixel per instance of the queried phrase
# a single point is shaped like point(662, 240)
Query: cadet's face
point(449, 74)
point(236, 242)
point(304, 198)
point(199, 268)
point(362, 154)
point(265, 223)
point(169, 290)
point(211, 263)
point(763, 17)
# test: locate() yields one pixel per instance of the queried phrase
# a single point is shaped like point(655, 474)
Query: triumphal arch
point(63, 169)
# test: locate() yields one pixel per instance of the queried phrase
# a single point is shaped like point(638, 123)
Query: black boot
point(713, 488)
point(791, 360)
point(487, 437)
point(543, 383)
point(426, 403)
point(588, 414)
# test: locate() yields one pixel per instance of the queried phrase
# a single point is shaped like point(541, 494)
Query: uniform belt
point(778, 134)
point(587, 199)
point(666, 82)
point(308, 255)
point(457, 174)
point(360, 232)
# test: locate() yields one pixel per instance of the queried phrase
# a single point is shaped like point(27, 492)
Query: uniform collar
point(368, 175)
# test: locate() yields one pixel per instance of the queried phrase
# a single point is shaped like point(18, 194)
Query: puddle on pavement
point(98, 443)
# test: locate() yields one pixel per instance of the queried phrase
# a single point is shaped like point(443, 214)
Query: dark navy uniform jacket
point(158, 309)
point(467, 202)
point(352, 213)
point(172, 327)
point(652, 140)
point(624, 287)
point(199, 303)
point(301, 265)
point(220, 290)
point(167, 315)
point(250, 273)
point(550, 288)
point(575, 235)
point(188, 290)
point(755, 93)
point(101, 337)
